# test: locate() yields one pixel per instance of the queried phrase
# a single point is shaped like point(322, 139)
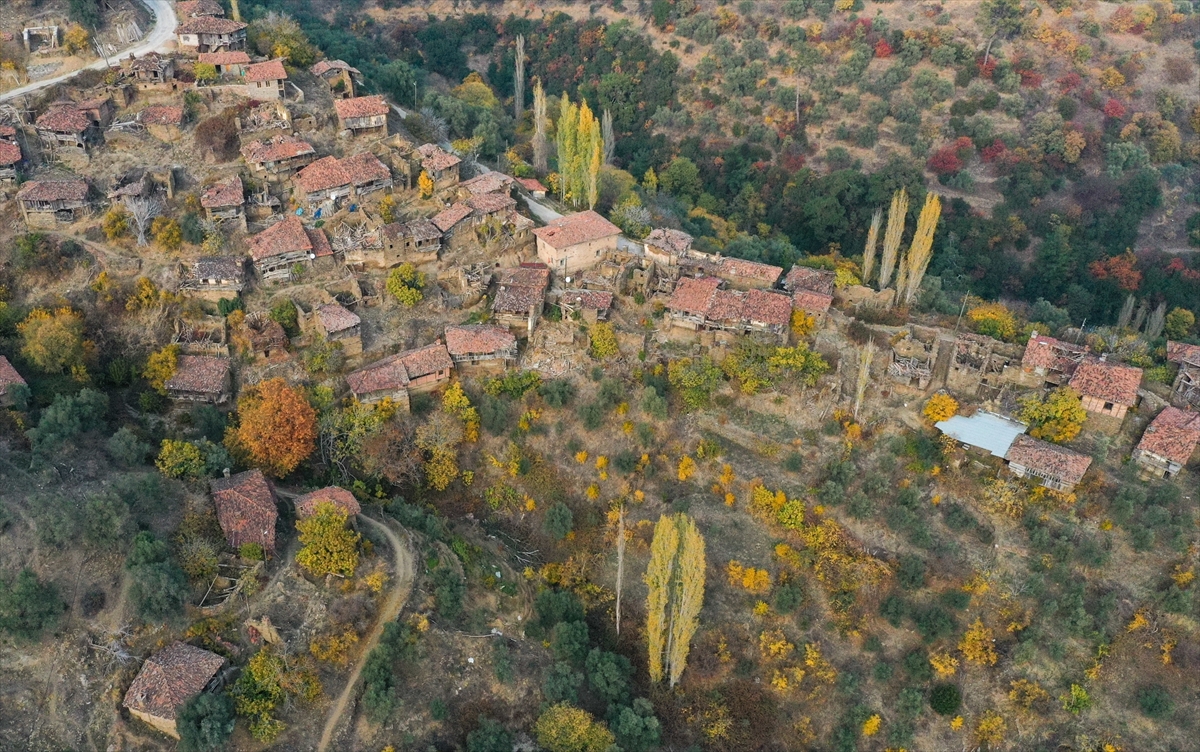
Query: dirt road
point(401, 587)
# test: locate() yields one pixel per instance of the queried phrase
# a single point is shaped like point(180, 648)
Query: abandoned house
point(196, 8)
point(1056, 467)
point(401, 375)
point(153, 71)
point(329, 183)
point(246, 509)
point(100, 110)
point(9, 379)
point(46, 203)
point(339, 324)
point(340, 498)
point(362, 116)
point(1168, 443)
point(225, 201)
point(284, 244)
point(415, 242)
point(689, 302)
point(268, 340)
point(278, 157)
point(809, 279)
point(167, 680)
point(440, 165)
point(592, 305)
point(665, 247)
point(1185, 392)
point(482, 345)
point(211, 34)
point(231, 63)
point(214, 277)
point(699, 303)
point(67, 128)
point(10, 160)
point(448, 220)
point(163, 121)
point(520, 297)
point(490, 206)
point(265, 80)
point(575, 242)
point(747, 275)
point(269, 120)
point(200, 378)
point(1050, 362)
point(1106, 388)
point(488, 182)
point(342, 78)
point(979, 364)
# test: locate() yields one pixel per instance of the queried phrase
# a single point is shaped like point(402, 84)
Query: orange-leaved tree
point(277, 428)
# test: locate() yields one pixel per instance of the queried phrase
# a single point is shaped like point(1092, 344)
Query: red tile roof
point(724, 305)
point(742, 269)
point(1049, 459)
point(306, 505)
point(322, 175)
point(491, 203)
point(807, 278)
point(320, 242)
point(360, 107)
point(170, 678)
point(450, 216)
point(8, 375)
point(766, 307)
point(520, 288)
point(488, 182)
point(271, 70)
point(532, 185)
point(478, 339)
point(151, 62)
point(325, 66)
point(674, 242)
point(435, 159)
point(209, 25)
point(1172, 434)
point(574, 229)
point(693, 295)
point(812, 302)
point(276, 150)
point(223, 194)
point(592, 300)
point(10, 153)
point(199, 373)
point(286, 236)
point(365, 168)
point(336, 318)
point(229, 57)
point(53, 190)
point(193, 8)
point(7, 131)
point(1107, 381)
point(397, 371)
point(1051, 354)
point(161, 114)
point(246, 508)
point(1178, 352)
point(66, 118)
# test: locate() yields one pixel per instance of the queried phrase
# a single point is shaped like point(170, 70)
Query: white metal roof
point(984, 430)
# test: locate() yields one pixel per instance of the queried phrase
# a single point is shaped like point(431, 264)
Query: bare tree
point(519, 80)
point(1158, 319)
point(606, 134)
point(868, 265)
point(865, 356)
point(142, 210)
point(540, 146)
point(620, 558)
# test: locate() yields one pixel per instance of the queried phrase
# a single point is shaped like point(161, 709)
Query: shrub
point(1155, 701)
point(940, 406)
point(205, 722)
point(945, 699)
point(559, 521)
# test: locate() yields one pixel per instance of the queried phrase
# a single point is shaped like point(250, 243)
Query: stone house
point(488, 182)
point(265, 80)
point(1168, 443)
point(64, 127)
point(284, 244)
point(532, 186)
point(100, 110)
point(340, 498)
point(163, 121)
point(399, 376)
point(246, 509)
point(268, 340)
point(699, 304)
point(47, 203)
point(231, 63)
point(200, 378)
point(1106, 388)
point(490, 206)
point(1054, 466)
point(689, 303)
point(747, 275)
point(1185, 392)
point(338, 324)
point(417, 242)
point(440, 165)
point(592, 305)
point(520, 297)
point(481, 345)
point(10, 154)
point(665, 247)
point(448, 220)
point(211, 34)
point(167, 680)
point(576, 242)
point(340, 76)
point(278, 157)
point(214, 277)
point(1049, 362)
point(329, 183)
point(153, 71)
point(9, 378)
point(362, 116)
point(808, 278)
point(196, 8)
point(225, 201)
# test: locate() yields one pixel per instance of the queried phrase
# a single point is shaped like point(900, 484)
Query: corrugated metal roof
point(984, 430)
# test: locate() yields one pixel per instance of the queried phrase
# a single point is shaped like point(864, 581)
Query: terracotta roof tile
point(1043, 457)
point(8, 375)
point(276, 149)
point(478, 339)
point(360, 107)
point(228, 57)
point(306, 505)
point(518, 221)
point(450, 216)
point(766, 307)
point(574, 229)
point(812, 302)
point(592, 300)
point(1178, 352)
point(200, 373)
point(491, 203)
point(434, 158)
point(520, 288)
point(286, 236)
point(209, 25)
point(170, 678)
point(488, 182)
point(325, 66)
point(66, 118)
point(271, 70)
point(725, 305)
point(735, 267)
point(1107, 381)
point(674, 242)
point(1051, 354)
point(365, 168)
point(193, 8)
point(10, 153)
point(1172, 434)
point(246, 508)
point(321, 246)
point(7, 131)
point(322, 175)
point(161, 114)
point(532, 184)
point(337, 318)
point(150, 62)
point(807, 278)
point(693, 295)
point(224, 193)
point(397, 371)
point(53, 190)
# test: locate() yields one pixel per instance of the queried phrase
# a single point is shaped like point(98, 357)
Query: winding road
point(165, 22)
point(401, 587)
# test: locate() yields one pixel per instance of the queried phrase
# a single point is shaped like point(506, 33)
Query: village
point(322, 232)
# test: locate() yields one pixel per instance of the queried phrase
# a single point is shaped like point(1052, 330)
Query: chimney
point(226, 472)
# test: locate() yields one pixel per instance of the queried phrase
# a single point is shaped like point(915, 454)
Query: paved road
point(163, 32)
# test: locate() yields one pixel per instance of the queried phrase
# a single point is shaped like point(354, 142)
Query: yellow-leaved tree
point(675, 583)
point(1059, 417)
point(978, 646)
point(940, 406)
point(329, 546)
point(425, 184)
point(53, 340)
point(566, 728)
point(161, 366)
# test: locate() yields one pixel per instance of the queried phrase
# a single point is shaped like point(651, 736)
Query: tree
point(939, 407)
point(439, 437)
point(404, 283)
point(604, 341)
point(916, 261)
point(675, 585)
point(608, 675)
point(159, 585)
point(53, 340)
point(1179, 322)
point(425, 184)
point(115, 223)
point(205, 73)
point(167, 233)
point(161, 367)
point(993, 320)
point(580, 149)
point(635, 726)
point(329, 546)
point(205, 722)
point(490, 736)
point(125, 447)
point(695, 379)
point(1003, 18)
point(67, 417)
point(142, 211)
point(279, 35)
point(977, 645)
point(277, 427)
point(28, 606)
point(681, 178)
point(180, 459)
point(558, 521)
point(86, 13)
point(540, 146)
point(519, 80)
point(565, 728)
point(868, 264)
point(945, 699)
point(1058, 418)
point(891, 239)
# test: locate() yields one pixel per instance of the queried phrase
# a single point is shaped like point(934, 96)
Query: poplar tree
point(539, 128)
point(920, 251)
point(868, 265)
point(891, 239)
point(565, 139)
point(659, 575)
point(606, 133)
point(675, 585)
point(519, 80)
point(580, 153)
point(688, 598)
